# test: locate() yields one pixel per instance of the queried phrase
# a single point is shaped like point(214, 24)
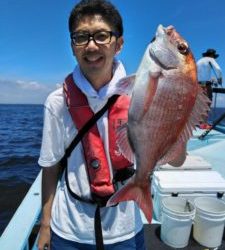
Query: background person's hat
point(210, 53)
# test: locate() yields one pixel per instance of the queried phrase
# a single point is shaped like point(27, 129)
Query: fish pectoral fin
point(176, 155)
point(123, 143)
point(180, 156)
point(151, 90)
point(140, 194)
point(125, 85)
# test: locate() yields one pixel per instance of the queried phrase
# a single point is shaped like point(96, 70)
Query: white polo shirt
point(72, 219)
point(205, 71)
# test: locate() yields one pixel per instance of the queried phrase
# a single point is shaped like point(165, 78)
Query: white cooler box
point(187, 184)
point(192, 162)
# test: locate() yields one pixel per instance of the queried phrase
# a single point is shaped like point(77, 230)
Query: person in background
point(209, 71)
point(209, 75)
point(69, 209)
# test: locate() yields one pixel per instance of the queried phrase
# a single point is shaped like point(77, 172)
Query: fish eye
point(183, 48)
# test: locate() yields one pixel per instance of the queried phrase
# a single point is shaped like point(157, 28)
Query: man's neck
point(98, 81)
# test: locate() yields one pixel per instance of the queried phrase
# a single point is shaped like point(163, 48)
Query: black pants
point(207, 88)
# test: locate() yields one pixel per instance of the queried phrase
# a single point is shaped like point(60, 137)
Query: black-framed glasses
point(81, 38)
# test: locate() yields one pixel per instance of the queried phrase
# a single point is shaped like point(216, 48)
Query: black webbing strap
point(89, 124)
point(98, 230)
point(76, 140)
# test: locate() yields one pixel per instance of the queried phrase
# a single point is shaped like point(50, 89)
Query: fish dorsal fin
point(125, 85)
point(198, 114)
point(123, 143)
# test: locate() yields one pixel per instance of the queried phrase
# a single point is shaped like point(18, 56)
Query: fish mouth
point(158, 62)
point(160, 31)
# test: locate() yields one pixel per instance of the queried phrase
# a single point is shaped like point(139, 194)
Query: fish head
point(170, 51)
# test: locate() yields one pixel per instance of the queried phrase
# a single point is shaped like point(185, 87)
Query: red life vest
point(96, 161)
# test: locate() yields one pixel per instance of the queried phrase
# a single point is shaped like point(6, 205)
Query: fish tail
point(140, 194)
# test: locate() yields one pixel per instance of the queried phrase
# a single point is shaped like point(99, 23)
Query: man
point(71, 209)
point(209, 71)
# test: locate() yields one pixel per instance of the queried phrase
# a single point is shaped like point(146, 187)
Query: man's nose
point(91, 44)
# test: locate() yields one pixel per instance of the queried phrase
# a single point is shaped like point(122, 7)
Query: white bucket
point(209, 221)
point(177, 217)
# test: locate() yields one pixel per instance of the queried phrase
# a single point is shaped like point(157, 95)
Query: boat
point(208, 145)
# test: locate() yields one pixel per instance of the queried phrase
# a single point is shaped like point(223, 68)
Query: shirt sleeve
point(217, 68)
point(52, 147)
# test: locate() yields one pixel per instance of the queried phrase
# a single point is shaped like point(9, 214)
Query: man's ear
point(72, 48)
point(119, 44)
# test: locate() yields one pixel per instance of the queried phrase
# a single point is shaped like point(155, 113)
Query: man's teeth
point(93, 59)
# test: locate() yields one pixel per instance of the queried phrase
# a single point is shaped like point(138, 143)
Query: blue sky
point(35, 53)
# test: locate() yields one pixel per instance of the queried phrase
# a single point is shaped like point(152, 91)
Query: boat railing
point(16, 236)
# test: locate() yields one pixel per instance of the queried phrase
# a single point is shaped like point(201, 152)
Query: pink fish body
point(166, 106)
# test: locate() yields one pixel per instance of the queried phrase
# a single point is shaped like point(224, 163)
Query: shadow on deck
point(153, 241)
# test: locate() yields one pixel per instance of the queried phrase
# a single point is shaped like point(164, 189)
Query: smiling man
point(94, 44)
point(74, 215)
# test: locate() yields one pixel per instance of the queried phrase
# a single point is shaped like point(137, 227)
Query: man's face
point(96, 59)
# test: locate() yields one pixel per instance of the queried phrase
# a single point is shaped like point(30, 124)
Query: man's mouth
point(93, 58)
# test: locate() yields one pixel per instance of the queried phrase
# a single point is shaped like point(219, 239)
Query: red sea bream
point(166, 105)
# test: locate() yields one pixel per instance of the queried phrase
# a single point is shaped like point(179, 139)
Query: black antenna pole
point(216, 122)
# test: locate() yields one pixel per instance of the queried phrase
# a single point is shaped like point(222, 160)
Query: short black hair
point(96, 7)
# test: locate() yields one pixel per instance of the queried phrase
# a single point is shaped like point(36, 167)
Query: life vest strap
point(92, 121)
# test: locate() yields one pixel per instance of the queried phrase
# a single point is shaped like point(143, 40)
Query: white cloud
point(19, 91)
point(58, 85)
point(31, 85)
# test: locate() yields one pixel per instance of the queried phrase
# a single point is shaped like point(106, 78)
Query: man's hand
point(44, 238)
point(50, 176)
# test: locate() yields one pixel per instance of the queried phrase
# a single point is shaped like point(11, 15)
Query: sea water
point(20, 140)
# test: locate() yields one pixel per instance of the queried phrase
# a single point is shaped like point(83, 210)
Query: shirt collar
point(107, 90)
